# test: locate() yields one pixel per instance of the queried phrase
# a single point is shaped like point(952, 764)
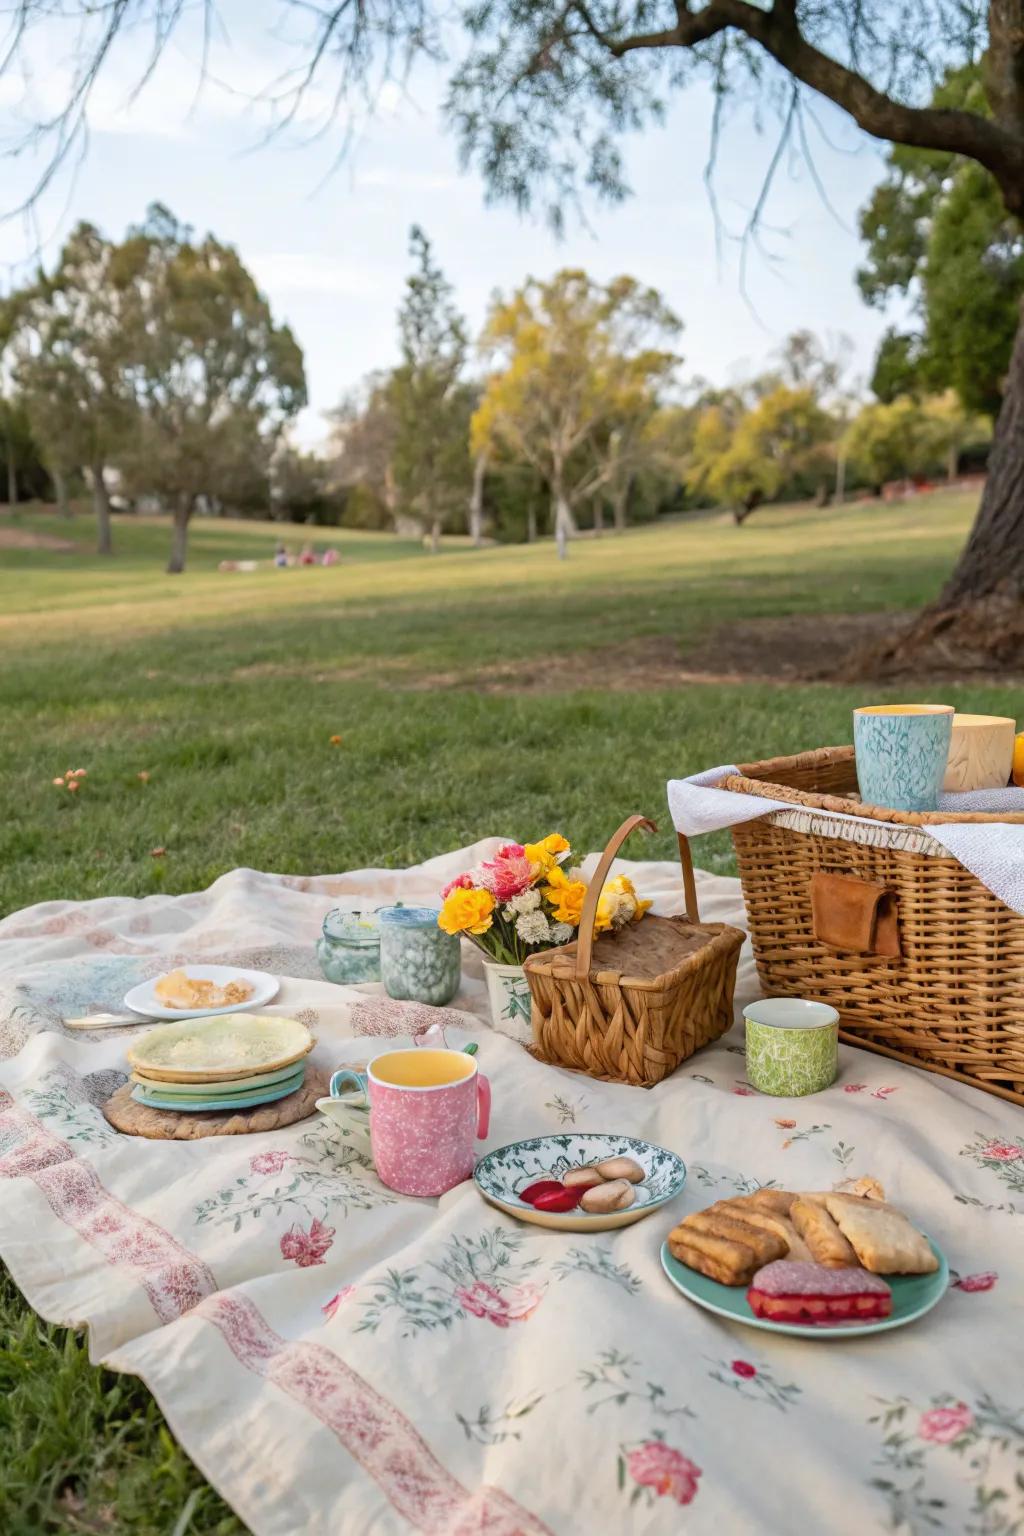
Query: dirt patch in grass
point(798, 648)
point(22, 538)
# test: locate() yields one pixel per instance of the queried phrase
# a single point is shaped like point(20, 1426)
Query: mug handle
point(337, 1078)
point(483, 1106)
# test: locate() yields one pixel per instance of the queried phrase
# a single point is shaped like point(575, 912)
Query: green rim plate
point(237, 1101)
point(221, 1090)
point(912, 1297)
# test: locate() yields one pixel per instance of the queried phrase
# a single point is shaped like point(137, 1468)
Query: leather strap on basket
point(585, 941)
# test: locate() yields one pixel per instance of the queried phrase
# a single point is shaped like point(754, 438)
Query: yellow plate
point(227, 1047)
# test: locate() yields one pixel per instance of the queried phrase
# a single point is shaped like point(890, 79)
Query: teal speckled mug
point(792, 1046)
point(901, 754)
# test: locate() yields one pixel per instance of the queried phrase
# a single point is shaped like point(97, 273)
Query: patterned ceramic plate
point(501, 1174)
point(912, 1297)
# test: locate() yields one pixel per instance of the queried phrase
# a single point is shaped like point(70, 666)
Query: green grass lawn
point(226, 689)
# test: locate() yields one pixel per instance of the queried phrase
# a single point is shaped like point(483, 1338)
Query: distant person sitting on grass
point(330, 557)
point(307, 557)
point(281, 557)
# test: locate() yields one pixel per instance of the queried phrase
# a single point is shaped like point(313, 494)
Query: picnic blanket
point(336, 1358)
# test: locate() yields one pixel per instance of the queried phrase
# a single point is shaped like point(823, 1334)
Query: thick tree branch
point(998, 147)
point(1004, 63)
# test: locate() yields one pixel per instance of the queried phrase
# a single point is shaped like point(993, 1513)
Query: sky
point(328, 243)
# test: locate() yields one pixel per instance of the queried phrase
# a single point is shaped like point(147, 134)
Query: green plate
point(221, 1090)
point(217, 1101)
point(912, 1297)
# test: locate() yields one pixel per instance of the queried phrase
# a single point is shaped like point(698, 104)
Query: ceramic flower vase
point(509, 993)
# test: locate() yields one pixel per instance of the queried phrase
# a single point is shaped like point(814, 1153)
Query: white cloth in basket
point(993, 851)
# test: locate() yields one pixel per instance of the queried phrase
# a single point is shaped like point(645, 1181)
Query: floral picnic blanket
point(336, 1358)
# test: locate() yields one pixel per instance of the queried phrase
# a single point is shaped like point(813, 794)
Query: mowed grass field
point(474, 692)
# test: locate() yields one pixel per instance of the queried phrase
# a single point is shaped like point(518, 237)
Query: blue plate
point(236, 1101)
point(501, 1175)
point(912, 1297)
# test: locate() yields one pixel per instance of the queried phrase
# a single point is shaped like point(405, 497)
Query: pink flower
point(460, 883)
point(330, 1307)
point(943, 1425)
point(307, 1248)
point(744, 1368)
point(883, 1093)
point(744, 1093)
point(854, 1087)
point(484, 1301)
point(984, 1281)
point(656, 1465)
point(523, 1301)
point(517, 1304)
point(1002, 1151)
point(269, 1162)
point(509, 873)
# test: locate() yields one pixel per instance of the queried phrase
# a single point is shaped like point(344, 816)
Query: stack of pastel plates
point(231, 1061)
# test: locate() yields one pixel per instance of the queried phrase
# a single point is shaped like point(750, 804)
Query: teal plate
point(222, 1089)
point(236, 1101)
point(912, 1297)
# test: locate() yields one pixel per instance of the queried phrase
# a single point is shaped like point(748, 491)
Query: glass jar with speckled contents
point(349, 949)
point(419, 962)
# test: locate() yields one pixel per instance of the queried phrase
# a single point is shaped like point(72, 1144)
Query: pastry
point(179, 990)
point(728, 1262)
point(790, 1292)
point(603, 1198)
point(778, 1200)
point(768, 1222)
point(821, 1234)
point(883, 1239)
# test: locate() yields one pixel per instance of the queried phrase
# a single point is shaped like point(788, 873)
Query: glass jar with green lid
point(349, 950)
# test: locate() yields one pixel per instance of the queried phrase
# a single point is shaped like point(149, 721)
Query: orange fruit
point(1018, 759)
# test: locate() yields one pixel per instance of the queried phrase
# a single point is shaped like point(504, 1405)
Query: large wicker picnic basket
point(952, 999)
point(630, 1006)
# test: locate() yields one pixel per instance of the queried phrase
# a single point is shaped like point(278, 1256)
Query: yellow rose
point(466, 911)
point(543, 855)
point(566, 896)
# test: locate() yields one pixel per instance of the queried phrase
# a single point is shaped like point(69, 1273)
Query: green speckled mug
point(792, 1046)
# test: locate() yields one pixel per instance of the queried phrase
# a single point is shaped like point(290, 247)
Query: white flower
point(561, 933)
point(526, 901)
point(533, 928)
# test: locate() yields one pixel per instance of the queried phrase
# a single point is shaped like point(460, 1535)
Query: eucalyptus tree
point(213, 377)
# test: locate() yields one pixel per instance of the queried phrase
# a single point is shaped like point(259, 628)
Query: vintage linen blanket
point(338, 1359)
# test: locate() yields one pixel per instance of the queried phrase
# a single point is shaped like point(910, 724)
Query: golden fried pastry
point(778, 1200)
point(729, 1263)
point(821, 1234)
point(735, 1230)
point(883, 1240)
point(768, 1221)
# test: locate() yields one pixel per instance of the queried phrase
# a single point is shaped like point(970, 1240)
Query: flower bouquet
point(523, 900)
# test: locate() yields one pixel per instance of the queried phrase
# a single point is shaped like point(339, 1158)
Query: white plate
point(143, 999)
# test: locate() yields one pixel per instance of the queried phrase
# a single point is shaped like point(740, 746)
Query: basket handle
point(689, 883)
point(585, 942)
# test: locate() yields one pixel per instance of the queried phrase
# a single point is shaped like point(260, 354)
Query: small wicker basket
point(630, 1006)
point(951, 999)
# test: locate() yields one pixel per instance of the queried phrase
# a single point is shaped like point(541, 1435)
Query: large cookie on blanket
point(134, 1119)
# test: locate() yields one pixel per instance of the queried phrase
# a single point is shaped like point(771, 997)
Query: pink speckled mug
point(426, 1109)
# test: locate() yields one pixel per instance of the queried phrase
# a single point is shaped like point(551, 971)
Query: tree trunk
point(598, 516)
point(565, 523)
point(620, 504)
point(743, 509)
point(101, 505)
point(435, 535)
point(476, 500)
point(952, 462)
point(12, 474)
point(179, 533)
point(60, 488)
point(977, 621)
point(531, 523)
